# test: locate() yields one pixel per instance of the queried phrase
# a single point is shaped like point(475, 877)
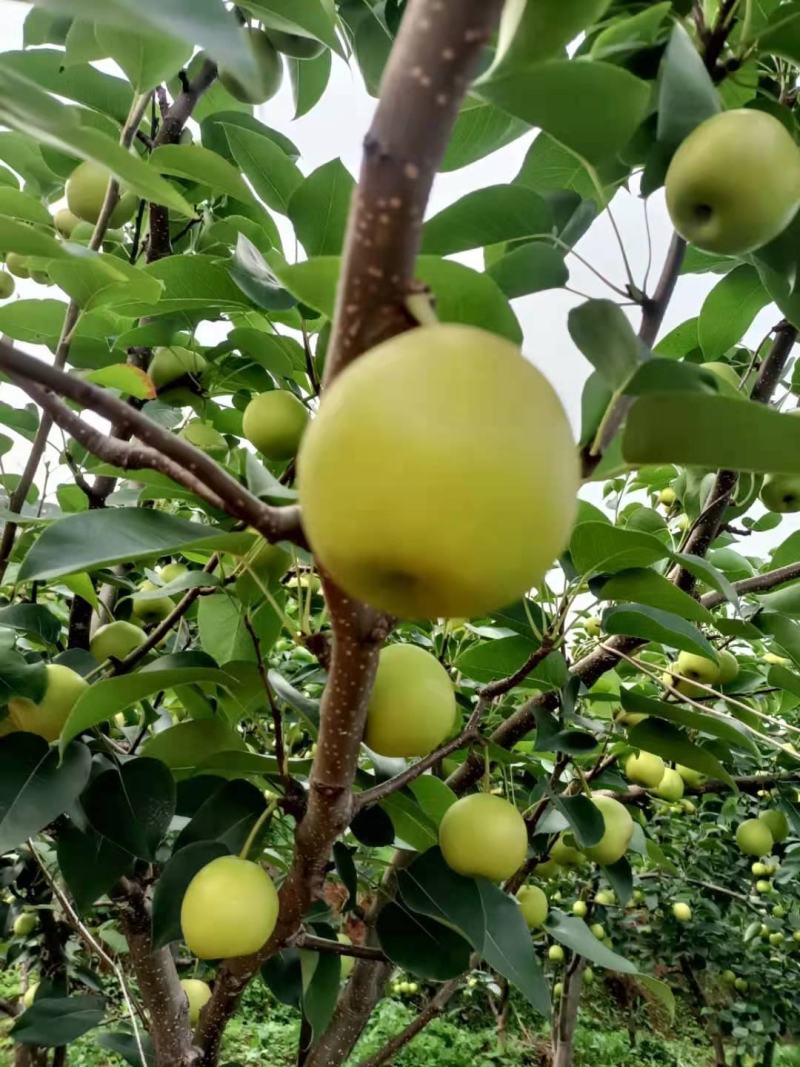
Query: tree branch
point(434, 1007)
point(759, 583)
point(338, 948)
point(198, 472)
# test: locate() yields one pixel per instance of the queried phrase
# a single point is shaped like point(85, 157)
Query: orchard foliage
point(184, 687)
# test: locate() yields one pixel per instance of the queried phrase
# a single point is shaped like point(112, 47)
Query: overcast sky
point(336, 128)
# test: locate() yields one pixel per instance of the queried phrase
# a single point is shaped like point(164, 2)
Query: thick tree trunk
point(567, 1015)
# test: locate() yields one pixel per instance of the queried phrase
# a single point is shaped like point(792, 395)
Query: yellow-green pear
point(555, 954)
point(29, 995)
point(777, 822)
point(7, 285)
point(151, 611)
point(229, 909)
point(580, 908)
point(671, 785)
point(682, 911)
point(691, 777)
point(17, 264)
point(65, 222)
point(728, 667)
point(270, 72)
point(781, 493)
point(274, 422)
point(173, 362)
point(667, 497)
point(565, 854)
point(170, 572)
point(64, 687)
point(86, 191)
point(644, 768)
point(734, 183)
point(693, 668)
point(533, 905)
point(413, 704)
point(483, 836)
point(558, 990)
point(198, 993)
point(346, 963)
point(547, 869)
point(442, 500)
point(606, 898)
point(599, 931)
point(724, 371)
point(117, 639)
point(25, 923)
point(613, 845)
point(754, 838)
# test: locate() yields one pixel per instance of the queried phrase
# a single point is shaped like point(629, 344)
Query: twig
point(338, 948)
point(277, 722)
point(434, 1007)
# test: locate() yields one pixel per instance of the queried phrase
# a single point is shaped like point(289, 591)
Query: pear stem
point(265, 814)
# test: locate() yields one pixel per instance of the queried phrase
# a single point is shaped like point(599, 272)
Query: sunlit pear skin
point(64, 687)
point(198, 993)
point(555, 954)
point(781, 493)
point(65, 222)
point(413, 703)
point(170, 363)
point(439, 478)
point(151, 611)
point(777, 823)
point(754, 838)
point(170, 572)
point(25, 923)
point(86, 191)
point(229, 909)
point(483, 836)
point(205, 437)
point(693, 668)
point(613, 845)
point(533, 905)
point(270, 72)
point(691, 777)
point(295, 45)
point(734, 183)
point(682, 912)
point(274, 422)
point(16, 264)
point(580, 908)
point(7, 285)
point(645, 769)
point(117, 639)
point(667, 497)
point(671, 785)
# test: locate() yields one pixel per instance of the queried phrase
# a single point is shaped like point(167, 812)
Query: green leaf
point(785, 631)
point(125, 1045)
point(173, 883)
point(576, 935)
point(671, 743)
point(227, 816)
point(631, 34)
point(203, 166)
point(57, 1021)
point(271, 172)
point(114, 535)
point(659, 991)
point(429, 887)
point(252, 274)
point(130, 380)
point(646, 586)
point(602, 332)
point(20, 678)
point(600, 547)
point(215, 136)
point(34, 787)
point(508, 948)
point(490, 660)
point(781, 36)
point(318, 209)
point(544, 95)
point(687, 94)
point(101, 701)
point(35, 620)
point(132, 805)
point(729, 309)
point(715, 724)
point(191, 283)
point(652, 624)
point(19, 237)
point(309, 78)
point(186, 746)
point(223, 633)
point(711, 431)
point(90, 865)
point(146, 58)
point(585, 820)
point(704, 570)
point(433, 795)
point(486, 217)
point(421, 945)
point(19, 205)
point(480, 129)
point(411, 825)
point(321, 990)
point(314, 18)
point(531, 268)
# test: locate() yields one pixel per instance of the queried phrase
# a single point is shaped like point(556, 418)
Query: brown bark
point(567, 1013)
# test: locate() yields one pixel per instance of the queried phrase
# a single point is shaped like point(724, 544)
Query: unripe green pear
point(25, 923)
point(565, 854)
point(17, 264)
point(734, 183)
point(741, 984)
point(682, 911)
point(728, 977)
point(170, 572)
point(151, 611)
point(205, 437)
point(64, 687)
point(86, 191)
point(29, 995)
point(580, 908)
point(754, 838)
point(171, 363)
point(693, 668)
point(759, 870)
point(692, 778)
point(389, 472)
point(777, 822)
point(598, 930)
point(588, 975)
point(229, 909)
point(198, 993)
point(667, 497)
point(671, 785)
point(776, 938)
point(483, 836)
point(646, 769)
point(613, 845)
point(728, 667)
point(7, 285)
point(593, 627)
point(763, 886)
point(724, 371)
point(412, 705)
point(546, 869)
point(555, 954)
point(295, 45)
point(533, 905)
point(558, 989)
point(270, 72)
point(65, 222)
point(606, 898)
point(781, 493)
point(274, 423)
point(117, 639)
